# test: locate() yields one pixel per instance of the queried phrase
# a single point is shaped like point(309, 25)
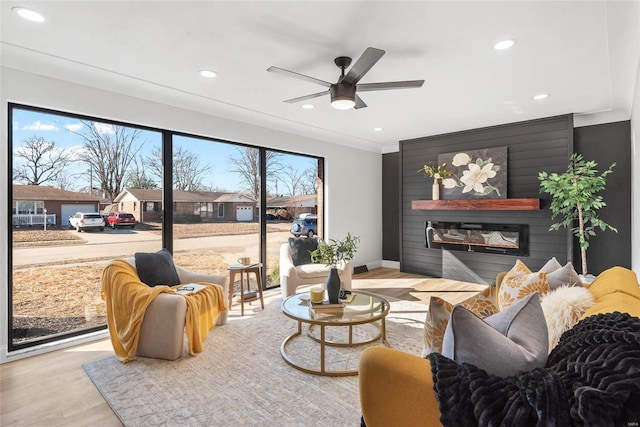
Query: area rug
point(240, 379)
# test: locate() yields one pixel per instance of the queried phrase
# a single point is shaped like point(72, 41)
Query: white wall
point(353, 177)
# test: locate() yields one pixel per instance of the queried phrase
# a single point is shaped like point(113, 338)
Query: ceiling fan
point(344, 93)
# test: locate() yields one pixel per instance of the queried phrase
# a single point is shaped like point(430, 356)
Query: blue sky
point(58, 128)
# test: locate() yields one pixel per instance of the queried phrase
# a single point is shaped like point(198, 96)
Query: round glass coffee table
point(363, 308)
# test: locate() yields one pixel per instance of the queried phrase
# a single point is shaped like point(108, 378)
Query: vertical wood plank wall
point(533, 146)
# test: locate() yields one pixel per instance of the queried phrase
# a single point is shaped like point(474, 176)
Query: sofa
point(294, 273)
point(397, 389)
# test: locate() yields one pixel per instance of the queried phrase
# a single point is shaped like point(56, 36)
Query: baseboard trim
point(391, 264)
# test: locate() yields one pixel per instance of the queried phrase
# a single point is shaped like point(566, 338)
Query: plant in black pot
point(335, 254)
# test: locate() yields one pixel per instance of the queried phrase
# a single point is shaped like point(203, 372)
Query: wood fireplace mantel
point(477, 204)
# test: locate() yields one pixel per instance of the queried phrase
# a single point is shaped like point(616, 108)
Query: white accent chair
point(292, 276)
point(162, 329)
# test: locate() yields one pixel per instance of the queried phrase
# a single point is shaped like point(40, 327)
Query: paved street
point(124, 243)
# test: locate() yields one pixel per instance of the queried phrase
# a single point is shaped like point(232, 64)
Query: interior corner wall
point(608, 143)
point(533, 146)
point(353, 177)
point(635, 178)
point(391, 207)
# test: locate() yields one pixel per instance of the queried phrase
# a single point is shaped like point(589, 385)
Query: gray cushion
point(511, 341)
point(157, 268)
point(564, 276)
point(301, 248)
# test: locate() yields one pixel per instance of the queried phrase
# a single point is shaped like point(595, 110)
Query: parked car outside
point(83, 221)
point(305, 226)
point(121, 219)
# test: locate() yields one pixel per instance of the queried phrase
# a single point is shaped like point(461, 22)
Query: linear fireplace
point(504, 239)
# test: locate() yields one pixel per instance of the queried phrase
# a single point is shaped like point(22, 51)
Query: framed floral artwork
point(477, 174)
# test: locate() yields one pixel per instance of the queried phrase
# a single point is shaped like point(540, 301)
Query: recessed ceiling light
point(208, 74)
point(377, 129)
point(307, 106)
point(504, 44)
point(28, 14)
point(541, 96)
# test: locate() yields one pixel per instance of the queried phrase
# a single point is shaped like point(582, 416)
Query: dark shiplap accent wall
point(606, 144)
point(533, 146)
point(391, 206)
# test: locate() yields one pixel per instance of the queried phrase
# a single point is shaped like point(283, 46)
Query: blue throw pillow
point(156, 268)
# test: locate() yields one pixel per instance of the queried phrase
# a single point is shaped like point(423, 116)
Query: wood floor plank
point(53, 390)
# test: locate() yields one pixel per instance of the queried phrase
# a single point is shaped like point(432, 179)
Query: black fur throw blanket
point(592, 378)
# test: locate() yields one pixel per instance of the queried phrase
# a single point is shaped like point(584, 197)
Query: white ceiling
point(584, 54)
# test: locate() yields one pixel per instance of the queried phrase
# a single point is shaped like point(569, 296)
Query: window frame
point(167, 226)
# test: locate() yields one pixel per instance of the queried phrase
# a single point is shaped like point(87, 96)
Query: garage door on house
point(68, 210)
point(244, 213)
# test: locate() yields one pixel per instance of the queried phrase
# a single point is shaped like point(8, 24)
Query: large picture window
point(62, 164)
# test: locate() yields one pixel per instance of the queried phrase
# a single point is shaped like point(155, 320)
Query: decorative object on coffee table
point(331, 254)
point(575, 197)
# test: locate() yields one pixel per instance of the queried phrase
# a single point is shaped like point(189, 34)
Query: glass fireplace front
point(504, 239)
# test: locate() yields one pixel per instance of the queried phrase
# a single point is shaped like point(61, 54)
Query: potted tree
point(574, 196)
point(332, 254)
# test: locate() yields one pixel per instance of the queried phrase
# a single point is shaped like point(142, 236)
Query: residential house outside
point(293, 205)
point(31, 201)
point(188, 206)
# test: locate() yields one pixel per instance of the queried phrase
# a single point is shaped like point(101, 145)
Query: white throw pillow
point(562, 309)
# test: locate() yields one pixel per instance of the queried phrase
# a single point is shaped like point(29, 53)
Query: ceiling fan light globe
point(343, 104)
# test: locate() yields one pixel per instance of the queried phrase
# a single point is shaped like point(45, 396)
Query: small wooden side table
point(245, 270)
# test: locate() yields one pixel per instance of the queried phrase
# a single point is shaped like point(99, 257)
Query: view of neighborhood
point(65, 167)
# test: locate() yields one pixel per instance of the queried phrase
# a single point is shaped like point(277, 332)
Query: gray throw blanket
point(592, 378)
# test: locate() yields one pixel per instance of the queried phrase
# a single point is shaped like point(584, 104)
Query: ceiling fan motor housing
point(342, 92)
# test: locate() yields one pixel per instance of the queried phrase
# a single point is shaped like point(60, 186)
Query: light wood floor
point(53, 389)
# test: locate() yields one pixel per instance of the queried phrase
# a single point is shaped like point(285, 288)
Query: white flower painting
point(476, 174)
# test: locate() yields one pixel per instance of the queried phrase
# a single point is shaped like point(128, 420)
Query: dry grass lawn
point(65, 297)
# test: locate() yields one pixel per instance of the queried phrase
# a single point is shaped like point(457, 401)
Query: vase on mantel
point(435, 190)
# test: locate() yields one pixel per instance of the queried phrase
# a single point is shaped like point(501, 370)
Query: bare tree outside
point(310, 181)
point(188, 172)
point(66, 182)
point(45, 162)
point(293, 180)
point(139, 178)
point(109, 150)
point(247, 166)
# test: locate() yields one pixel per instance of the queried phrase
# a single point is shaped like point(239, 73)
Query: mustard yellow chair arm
point(396, 389)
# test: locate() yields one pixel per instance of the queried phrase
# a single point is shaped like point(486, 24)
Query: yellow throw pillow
point(520, 282)
point(483, 305)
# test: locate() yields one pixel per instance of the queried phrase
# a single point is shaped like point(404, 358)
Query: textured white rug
point(241, 379)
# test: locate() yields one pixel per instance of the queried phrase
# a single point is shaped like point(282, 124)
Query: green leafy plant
point(575, 197)
point(336, 251)
point(436, 172)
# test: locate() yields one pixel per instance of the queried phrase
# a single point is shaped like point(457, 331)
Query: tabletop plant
point(332, 254)
point(336, 251)
point(574, 196)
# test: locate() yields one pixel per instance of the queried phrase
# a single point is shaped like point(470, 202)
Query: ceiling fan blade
point(304, 98)
point(359, 103)
point(367, 60)
point(298, 76)
point(407, 84)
